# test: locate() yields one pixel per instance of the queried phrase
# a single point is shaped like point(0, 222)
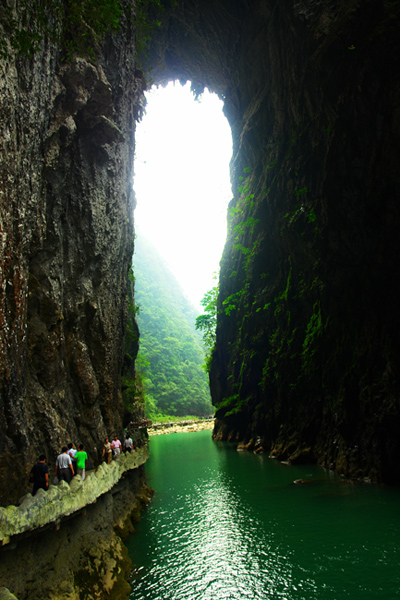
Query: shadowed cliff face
point(307, 354)
point(306, 363)
point(66, 244)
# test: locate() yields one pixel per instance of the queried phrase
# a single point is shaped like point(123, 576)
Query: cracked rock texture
point(62, 500)
point(307, 358)
point(81, 557)
point(66, 241)
point(306, 364)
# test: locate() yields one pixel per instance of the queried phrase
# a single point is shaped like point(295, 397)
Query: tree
point(171, 349)
point(207, 322)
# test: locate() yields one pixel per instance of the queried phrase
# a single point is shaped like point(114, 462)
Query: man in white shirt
point(128, 443)
point(64, 470)
point(72, 451)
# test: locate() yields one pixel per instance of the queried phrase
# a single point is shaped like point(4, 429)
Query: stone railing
point(62, 500)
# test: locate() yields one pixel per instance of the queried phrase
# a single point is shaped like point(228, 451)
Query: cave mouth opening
point(182, 187)
point(182, 182)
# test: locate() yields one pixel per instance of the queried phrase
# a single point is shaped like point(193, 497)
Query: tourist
point(72, 451)
point(64, 470)
point(107, 451)
point(116, 446)
point(39, 475)
point(128, 444)
point(81, 461)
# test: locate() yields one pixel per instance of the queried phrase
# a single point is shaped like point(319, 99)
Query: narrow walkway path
point(62, 500)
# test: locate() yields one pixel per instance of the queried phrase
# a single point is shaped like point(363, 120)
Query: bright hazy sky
point(183, 149)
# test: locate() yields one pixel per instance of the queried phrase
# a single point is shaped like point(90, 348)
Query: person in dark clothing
point(40, 475)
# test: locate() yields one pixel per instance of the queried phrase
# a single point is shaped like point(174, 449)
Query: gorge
point(306, 362)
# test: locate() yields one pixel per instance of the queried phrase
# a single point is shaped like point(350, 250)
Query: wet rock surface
point(307, 360)
point(62, 500)
point(66, 215)
point(83, 557)
point(307, 354)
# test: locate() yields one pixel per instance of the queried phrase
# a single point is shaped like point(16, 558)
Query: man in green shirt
point(81, 461)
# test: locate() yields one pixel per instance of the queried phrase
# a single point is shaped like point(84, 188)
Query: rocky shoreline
point(180, 427)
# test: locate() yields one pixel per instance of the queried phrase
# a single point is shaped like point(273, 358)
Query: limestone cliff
point(307, 357)
point(66, 217)
point(307, 354)
point(306, 363)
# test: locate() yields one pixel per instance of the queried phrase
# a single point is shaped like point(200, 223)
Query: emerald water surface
point(231, 525)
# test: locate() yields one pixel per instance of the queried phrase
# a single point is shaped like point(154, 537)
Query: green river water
point(232, 525)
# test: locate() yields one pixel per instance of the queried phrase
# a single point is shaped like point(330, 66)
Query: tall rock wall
point(306, 363)
point(66, 218)
point(307, 356)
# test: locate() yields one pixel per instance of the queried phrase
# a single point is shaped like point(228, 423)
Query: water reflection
point(230, 526)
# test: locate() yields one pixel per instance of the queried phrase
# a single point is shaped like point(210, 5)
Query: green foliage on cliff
point(170, 353)
point(78, 26)
point(207, 322)
point(314, 330)
point(278, 344)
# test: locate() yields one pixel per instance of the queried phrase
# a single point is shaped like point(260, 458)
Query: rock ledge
point(63, 500)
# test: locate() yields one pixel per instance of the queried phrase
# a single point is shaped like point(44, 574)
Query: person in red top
point(116, 445)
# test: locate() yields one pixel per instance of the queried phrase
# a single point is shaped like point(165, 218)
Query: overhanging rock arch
point(307, 357)
point(307, 354)
point(306, 362)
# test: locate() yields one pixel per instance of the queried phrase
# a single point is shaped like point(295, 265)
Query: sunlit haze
point(183, 149)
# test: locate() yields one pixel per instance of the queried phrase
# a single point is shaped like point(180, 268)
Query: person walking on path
point(81, 461)
point(107, 451)
point(128, 443)
point(116, 445)
point(40, 475)
point(64, 470)
point(72, 451)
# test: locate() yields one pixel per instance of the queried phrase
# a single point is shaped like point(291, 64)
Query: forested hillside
point(171, 353)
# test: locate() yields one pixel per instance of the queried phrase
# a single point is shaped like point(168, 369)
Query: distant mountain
point(171, 354)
